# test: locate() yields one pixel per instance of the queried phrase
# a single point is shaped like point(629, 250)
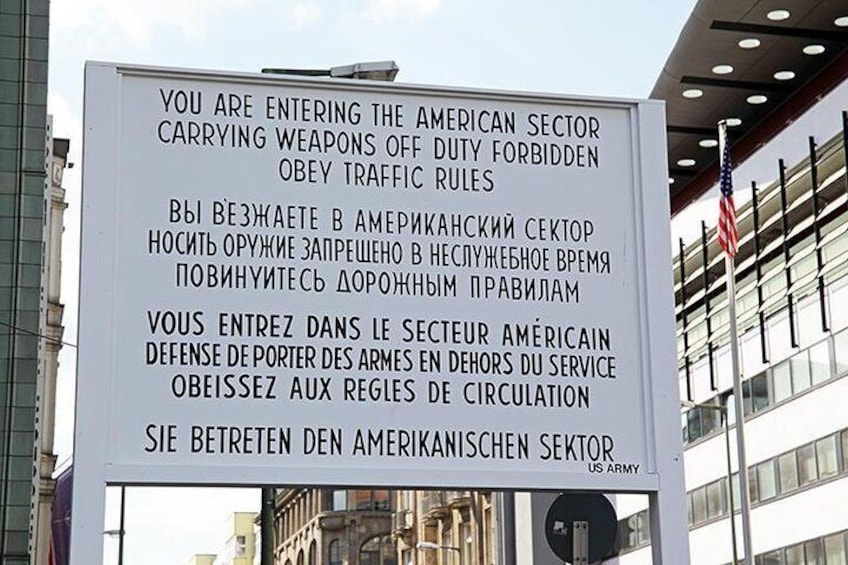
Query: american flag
point(728, 236)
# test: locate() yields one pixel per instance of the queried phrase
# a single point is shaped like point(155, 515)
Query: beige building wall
point(444, 528)
point(51, 340)
point(240, 547)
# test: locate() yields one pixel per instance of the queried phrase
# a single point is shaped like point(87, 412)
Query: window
point(313, 553)
point(378, 550)
point(334, 553)
point(826, 456)
point(788, 472)
point(759, 391)
point(689, 509)
point(844, 435)
point(795, 555)
point(781, 377)
point(800, 372)
point(820, 362)
point(369, 500)
point(772, 558)
point(840, 348)
point(716, 499)
point(694, 424)
point(813, 553)
point(752, 484)
point(241, 546)
point(339, 500)
point(834, 549)
point(699, 505)
point(766, 481)
point(807, 471)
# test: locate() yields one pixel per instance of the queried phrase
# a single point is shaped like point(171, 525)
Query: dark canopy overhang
point(711, 75)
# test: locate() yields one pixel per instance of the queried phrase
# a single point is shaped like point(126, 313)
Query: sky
point(602, 48)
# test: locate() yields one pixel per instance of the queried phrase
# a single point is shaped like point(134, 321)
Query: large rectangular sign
point(289, 281)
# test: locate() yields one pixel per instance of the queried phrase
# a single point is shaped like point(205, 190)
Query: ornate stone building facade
point(334, 527)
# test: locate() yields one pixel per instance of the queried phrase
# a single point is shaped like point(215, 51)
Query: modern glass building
point(778, 70)
point(25, 203)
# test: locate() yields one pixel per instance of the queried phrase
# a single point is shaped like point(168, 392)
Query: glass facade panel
point(694, 424)
point(766, 480)
point(840, 349)
point(699, 505)
point(813, 553)
point(737, 497)
point(715, 500)
point(826, 457)
point(800, 372)
point(844, 435)
point(781, 378)
point(752, 484)
point(788, 472)
point(807, 470)
point(759, 391)
point(795, 555)
point(820, 362)
point(834, 550)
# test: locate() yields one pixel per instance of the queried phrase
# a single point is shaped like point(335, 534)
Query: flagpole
point(744, 495)
point(730, 271)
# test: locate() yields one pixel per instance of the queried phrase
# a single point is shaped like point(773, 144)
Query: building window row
point(825, 550)
point(802, 467)
point(805, 369)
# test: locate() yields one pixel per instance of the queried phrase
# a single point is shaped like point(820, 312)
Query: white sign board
point(342, 283)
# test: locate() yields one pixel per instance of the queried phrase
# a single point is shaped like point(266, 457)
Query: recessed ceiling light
point(749, 43)
point(784, 75)
point(813, 49)
point(686, 163)
point(707, 143)
point(693, 93)
point(841, 22)
point(722, 69)
point(757, 99)
point(778, 15)
point(733, 122)
point(670, 180)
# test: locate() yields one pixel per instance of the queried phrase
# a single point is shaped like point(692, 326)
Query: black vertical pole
point(790, 300)
point(814, 182)
point(758, 269)
point(121, 526)
point(682, 256)
point(267, 526)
